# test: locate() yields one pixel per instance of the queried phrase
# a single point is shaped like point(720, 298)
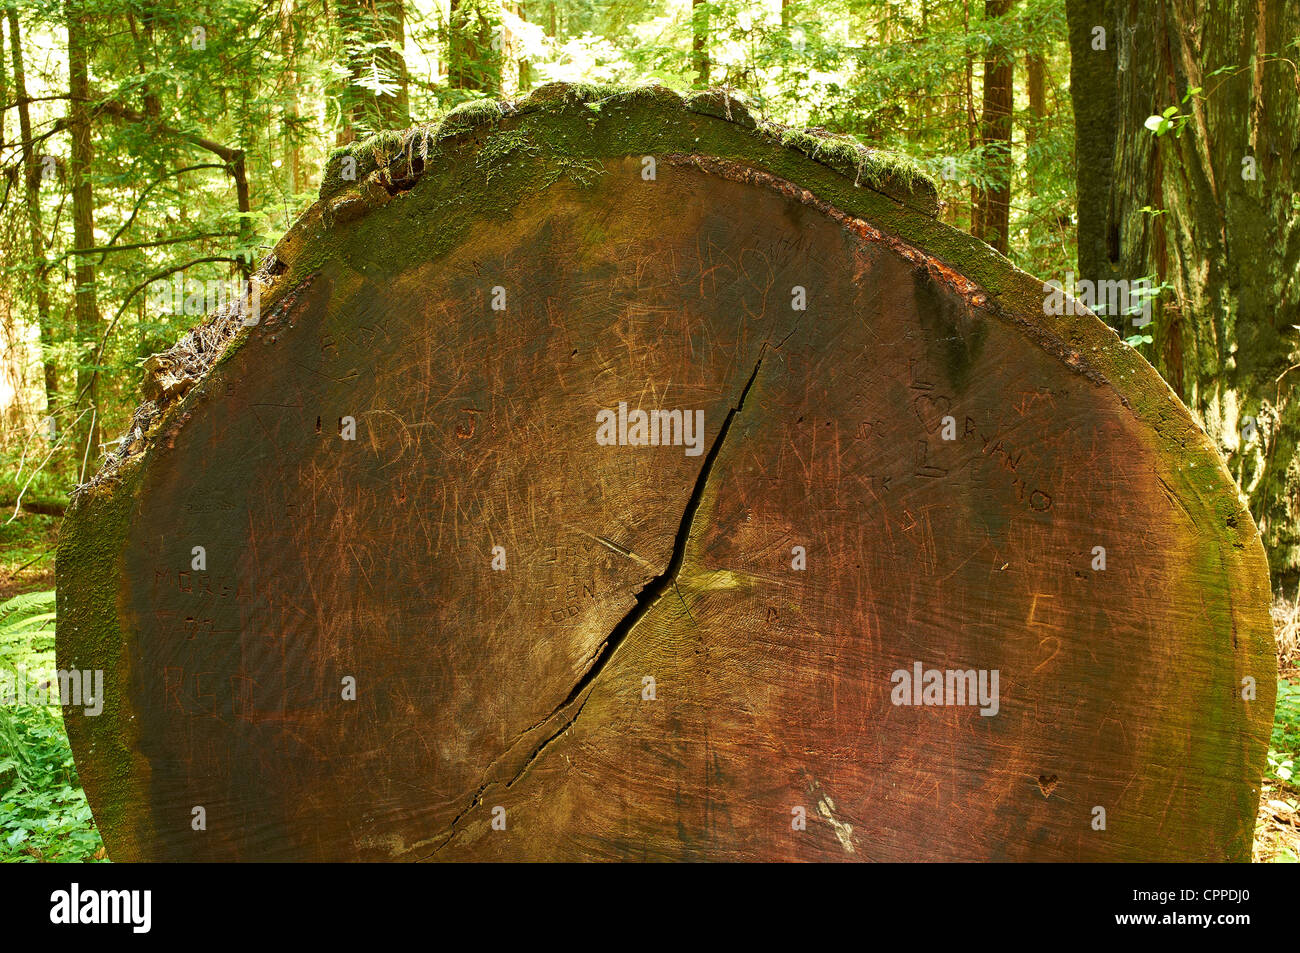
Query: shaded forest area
point(1144, 162)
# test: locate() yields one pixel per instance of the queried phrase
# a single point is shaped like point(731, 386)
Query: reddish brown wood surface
point(525, 689)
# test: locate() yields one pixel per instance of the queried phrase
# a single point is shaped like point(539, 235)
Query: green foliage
point(1282, 775)
point(1284, 746)
point(26, 540)
point(43, 811)
point(1172, 119)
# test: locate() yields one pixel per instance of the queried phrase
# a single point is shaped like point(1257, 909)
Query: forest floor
point(27, 565)
point(26, 552)
point(1277, 826)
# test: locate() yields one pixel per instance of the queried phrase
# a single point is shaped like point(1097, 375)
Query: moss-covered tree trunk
point(1208, 211)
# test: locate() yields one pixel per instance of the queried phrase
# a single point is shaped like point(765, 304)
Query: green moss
point(89, 575)
point(872, 167)
point(572, 94)
point(504, 148)
point(368, 155)
point(722, 105)
point(648, 114)
point(470, 115)
point(382, 148)
point(582, 171)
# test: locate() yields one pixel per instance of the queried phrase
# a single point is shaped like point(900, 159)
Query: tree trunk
point(32, 174)
point(83, 237)
point(1094, 80)
point(424, 567)
point(374, 37)
point(292, 143)
point(473, 50)
point(1035, 90)
point(995, 134)
point(142, 33)
point(1224, 234)
point(700, 42)
point(972, 125)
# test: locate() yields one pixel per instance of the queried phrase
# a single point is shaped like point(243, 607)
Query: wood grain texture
point(525, 689)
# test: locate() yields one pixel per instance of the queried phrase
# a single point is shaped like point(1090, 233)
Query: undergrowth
point(43, 811)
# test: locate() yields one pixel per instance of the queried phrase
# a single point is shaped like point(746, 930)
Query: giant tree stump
point(494, 625)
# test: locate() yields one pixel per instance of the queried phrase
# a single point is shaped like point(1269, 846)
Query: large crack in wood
point(648, 596)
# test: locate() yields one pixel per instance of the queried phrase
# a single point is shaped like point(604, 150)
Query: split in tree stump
point(611, 477)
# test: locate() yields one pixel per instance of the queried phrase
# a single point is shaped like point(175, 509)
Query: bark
point(142, 33)
point(1035, 90)
point(1227, 244)
point(995, 134)
point(4, 85)
point(83, 235)
point(1093, 88)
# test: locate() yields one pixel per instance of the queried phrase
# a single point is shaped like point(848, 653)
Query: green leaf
point(1158, 124)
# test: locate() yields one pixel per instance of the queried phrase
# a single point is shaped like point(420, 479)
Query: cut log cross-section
point(609, 476)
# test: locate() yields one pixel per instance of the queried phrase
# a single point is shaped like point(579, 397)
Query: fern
point(43, 811)
point(26, 629)
point(24, 606)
